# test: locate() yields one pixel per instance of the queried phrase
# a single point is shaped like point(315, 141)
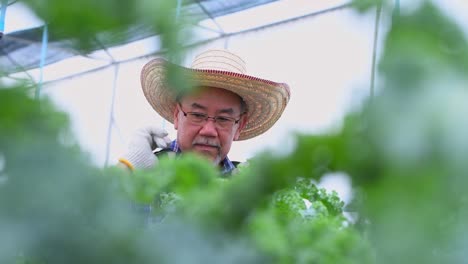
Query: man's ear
point(176, 117)
point(242, 123)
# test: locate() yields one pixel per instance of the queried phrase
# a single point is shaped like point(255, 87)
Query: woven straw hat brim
point(266, 100)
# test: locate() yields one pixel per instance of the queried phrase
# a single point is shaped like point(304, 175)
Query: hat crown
point(221, 60)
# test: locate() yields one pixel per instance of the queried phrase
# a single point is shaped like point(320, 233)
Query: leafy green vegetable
point(404, 151)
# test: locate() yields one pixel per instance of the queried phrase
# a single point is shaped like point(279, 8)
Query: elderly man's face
point(209, 138)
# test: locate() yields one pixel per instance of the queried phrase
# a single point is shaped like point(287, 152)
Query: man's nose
point(209, 128)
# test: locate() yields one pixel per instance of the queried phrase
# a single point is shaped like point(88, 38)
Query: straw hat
point(265, 99)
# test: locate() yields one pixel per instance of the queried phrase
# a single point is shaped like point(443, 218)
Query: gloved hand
point(139, 152)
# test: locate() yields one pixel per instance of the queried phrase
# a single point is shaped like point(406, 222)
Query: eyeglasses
point(222, 122)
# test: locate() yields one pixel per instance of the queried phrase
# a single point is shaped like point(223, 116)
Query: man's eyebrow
point(222, 111)
point(198, 106)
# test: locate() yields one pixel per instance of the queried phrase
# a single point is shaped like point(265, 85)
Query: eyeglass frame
point(214, 118)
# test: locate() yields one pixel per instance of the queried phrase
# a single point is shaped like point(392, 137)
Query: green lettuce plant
point(404, 150)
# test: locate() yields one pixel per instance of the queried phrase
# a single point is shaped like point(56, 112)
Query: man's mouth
point(206, 147)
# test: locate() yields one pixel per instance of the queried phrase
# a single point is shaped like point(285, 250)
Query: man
point(227, 105)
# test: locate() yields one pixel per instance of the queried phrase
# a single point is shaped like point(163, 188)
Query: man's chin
point(208, 154)
point(214, 157)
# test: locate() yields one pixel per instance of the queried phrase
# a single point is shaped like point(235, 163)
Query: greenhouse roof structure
point(22, 46)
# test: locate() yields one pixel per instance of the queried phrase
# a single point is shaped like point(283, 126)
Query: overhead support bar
point(2, 17)
point(396, 10)
point(179, 6)
point(111, 115)
point(378, 11)
point(221, 31)
point(45, 40)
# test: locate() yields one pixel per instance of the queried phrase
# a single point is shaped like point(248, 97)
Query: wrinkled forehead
point(213, 94)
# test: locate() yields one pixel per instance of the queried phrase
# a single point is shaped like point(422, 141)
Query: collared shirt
point(146, 210)
point(226, 165)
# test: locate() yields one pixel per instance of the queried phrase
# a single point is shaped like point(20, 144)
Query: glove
point(139, 152)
